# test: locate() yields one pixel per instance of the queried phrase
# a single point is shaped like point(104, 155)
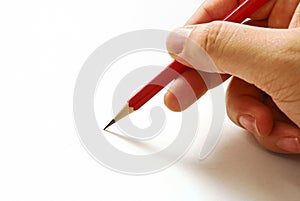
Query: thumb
point(239, 50)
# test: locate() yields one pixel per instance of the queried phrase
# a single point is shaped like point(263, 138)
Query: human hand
point(264, 59)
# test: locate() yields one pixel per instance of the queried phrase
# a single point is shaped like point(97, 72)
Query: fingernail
point(249, 123)
point(289, 144)
point(177, 39)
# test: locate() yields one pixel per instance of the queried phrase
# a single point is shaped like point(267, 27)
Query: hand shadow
point(242, 167)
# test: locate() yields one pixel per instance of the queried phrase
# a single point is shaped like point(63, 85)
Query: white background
point(43, 45)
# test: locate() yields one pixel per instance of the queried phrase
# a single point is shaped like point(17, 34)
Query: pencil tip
point(126, 110)
point(109, 124)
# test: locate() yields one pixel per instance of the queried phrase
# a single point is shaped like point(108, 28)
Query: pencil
point(238, 15)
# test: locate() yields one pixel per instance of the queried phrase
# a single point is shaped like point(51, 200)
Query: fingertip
point(171, 102)
point(258, 120)
point(284, 138)
point(175, 43)
point(246, 109)
point(289, 144)
point(264, 120)
point(250, 114)
point(177, 39)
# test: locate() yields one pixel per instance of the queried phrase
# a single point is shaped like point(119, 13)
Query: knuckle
point(212, 36)
point(218, 40)
point(217, 37)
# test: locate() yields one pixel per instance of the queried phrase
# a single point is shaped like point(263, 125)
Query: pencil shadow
point(250, 170)
point(146, 146)
point(122, 136)
point(139, 143)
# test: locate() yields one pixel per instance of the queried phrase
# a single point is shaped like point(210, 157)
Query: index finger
point(217, 9)
point(212, 10)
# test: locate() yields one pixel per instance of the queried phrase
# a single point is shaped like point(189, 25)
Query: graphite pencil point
point(109, 124)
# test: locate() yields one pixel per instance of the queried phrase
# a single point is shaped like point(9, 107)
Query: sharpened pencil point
point(109, 124)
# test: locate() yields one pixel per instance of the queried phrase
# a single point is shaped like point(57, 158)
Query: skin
point(262, 59)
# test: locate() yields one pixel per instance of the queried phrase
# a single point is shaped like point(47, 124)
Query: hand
point(264, 59)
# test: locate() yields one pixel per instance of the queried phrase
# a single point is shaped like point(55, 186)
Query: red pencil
point(238, 15)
